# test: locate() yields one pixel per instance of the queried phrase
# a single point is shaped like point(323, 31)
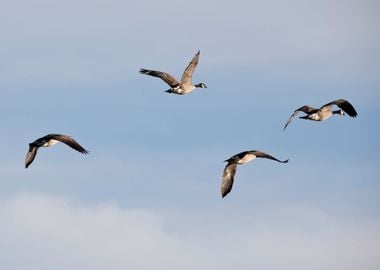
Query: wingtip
point(286, 125)
point(286, 161)
point(224, 193)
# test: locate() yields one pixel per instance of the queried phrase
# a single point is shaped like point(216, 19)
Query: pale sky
point(148, 194)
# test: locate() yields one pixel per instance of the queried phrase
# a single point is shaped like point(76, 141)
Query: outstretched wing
point(186, 77)
point(306, 109)
point(70, 142)
point(228, 178)
point(32, 152)
point(260, 154)
point(343, 104)
point(166, 77)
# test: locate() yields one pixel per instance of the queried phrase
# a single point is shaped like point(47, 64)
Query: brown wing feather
point(166, 77)
point(32, 152)
point(186, 77)
point(70, 142)
point(260, 154)
point(344, 105)
point(306, 109)
point(228, 178)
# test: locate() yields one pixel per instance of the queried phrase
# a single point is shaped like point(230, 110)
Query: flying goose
point(238, 159)
point(324, 112)
point(185, 86)
point(50, 140)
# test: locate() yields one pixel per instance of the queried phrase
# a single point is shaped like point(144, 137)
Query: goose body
point(324, 112)
point(238, 159)
point(48, 141)
point(182, 87)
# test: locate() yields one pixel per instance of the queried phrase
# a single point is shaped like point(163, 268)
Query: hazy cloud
point(44, 232)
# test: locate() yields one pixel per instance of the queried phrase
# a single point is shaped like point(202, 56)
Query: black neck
point(336, 112)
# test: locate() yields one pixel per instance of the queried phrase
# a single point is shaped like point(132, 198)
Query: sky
point(148, 194)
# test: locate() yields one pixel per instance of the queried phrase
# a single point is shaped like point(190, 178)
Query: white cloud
point(43, 232)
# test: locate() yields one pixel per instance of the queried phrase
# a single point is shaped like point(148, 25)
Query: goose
point(185, 86)
point(50, 140)
point(324, 112)
point(238, 159)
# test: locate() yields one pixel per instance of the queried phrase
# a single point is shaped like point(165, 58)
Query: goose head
point(233, 159)
point(200, 85)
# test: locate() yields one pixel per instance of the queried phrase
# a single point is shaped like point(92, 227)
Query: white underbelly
point(247, 158)
point(314, 117)
point(51, 143)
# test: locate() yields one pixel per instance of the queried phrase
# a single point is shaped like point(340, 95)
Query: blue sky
point(148, 194)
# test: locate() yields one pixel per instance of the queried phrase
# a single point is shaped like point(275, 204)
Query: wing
point(32, 152)
point(166, 77)
point(70, 142)
point(260, 154)
point(343, 104)
point(228, 178)
point(186, 77)
point(41, 141)
point(306, 109)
